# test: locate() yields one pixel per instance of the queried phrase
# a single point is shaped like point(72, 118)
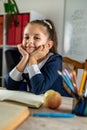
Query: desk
point(41, 123)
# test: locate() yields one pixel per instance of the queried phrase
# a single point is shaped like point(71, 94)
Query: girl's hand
point(24, 60)
point(22, 50)
point(39, 54)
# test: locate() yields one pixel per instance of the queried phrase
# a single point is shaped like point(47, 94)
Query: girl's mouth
point(30, 47)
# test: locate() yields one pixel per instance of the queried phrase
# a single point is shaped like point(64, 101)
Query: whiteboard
point(75, 29)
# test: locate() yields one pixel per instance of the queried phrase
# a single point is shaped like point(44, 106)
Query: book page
point(26, 98)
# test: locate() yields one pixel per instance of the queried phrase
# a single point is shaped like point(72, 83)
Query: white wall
point(53, 10)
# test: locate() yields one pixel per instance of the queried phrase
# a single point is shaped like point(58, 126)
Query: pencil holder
point(80, 106)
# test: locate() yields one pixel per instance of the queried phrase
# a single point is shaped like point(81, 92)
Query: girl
point(37, 70)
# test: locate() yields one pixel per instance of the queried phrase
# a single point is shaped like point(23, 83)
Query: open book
point(21, 97)
point(12, 115)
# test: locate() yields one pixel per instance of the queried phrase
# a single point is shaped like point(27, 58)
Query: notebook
point(21, 97)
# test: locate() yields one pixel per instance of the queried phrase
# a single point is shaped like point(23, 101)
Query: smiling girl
point(37, 70)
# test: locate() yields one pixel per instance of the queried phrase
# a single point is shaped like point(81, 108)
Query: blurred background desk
point(41, 123)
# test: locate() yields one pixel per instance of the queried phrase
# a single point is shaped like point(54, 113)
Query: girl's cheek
point(39, 44)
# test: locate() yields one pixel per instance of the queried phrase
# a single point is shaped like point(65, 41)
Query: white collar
point(41, 64)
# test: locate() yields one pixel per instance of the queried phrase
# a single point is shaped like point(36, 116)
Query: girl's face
point(34, 36)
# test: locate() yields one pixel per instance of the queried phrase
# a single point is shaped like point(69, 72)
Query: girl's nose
point(29, 41)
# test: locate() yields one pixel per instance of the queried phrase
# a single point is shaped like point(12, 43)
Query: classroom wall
point(53, 10)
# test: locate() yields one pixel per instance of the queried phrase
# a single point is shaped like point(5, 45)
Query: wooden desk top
point(42, 123)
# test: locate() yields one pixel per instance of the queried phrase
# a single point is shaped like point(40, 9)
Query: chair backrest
point(72, 64)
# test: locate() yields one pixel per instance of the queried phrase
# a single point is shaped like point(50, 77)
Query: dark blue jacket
point(40, 83)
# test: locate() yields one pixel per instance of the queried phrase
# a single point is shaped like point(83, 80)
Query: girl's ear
point(50, 44)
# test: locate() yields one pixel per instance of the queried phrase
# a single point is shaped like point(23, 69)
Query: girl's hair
point(51, 30)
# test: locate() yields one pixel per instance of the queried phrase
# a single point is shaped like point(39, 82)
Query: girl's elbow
point(6, 84)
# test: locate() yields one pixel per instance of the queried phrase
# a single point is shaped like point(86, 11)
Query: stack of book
point(14, 107)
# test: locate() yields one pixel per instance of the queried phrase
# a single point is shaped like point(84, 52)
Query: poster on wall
point(75, 29)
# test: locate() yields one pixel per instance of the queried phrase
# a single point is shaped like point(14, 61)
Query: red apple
point(52, 99)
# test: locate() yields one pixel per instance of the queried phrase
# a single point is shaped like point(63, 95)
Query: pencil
point(67, 81)
point(70, 86)
point(67, 73)
point(83, 82)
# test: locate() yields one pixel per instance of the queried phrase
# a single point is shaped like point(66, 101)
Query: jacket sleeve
point(14, 85)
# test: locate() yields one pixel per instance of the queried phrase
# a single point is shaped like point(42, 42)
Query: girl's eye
point(36, 38)
point(26, 38)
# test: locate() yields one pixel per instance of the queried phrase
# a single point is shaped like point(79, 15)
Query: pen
point(54, 115)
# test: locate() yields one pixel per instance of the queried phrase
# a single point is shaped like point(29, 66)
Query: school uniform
point(38, 78)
